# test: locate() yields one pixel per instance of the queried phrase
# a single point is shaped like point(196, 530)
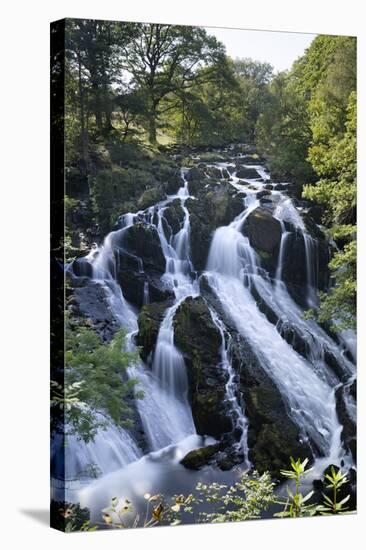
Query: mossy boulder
point(247, 173)
point(196, 180)
point(216, 206)
point(173, 184)
point(263, 230)
point(143, 241)
point(111, 188)
point(349, 433)
point(174, 217)
point(197, 336)
point(198, 458)
point(272, 436)
point(149, 322)
point(150, 197)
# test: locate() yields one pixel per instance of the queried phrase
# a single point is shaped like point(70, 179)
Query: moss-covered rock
point(198, 458)
point(215, 206)
point(247, 173)
point(149, 322)
point(199, 339)
point(150, 197)
point(349, 434)
point(272, 436)
point(173, 216)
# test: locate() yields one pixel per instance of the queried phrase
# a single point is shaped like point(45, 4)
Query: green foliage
point(336, 191)
point(283, 133)
point(246, 499)
point(95, 387)
point(69, 517)
point(112, 187)
point(331, 505)
point(295, 505)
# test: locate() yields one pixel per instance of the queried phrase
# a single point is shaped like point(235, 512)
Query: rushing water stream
point(236, 278)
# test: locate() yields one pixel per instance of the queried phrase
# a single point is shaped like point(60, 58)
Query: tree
point(336, 192)
point(164, 60)
point(283, 132)
point(93, 392)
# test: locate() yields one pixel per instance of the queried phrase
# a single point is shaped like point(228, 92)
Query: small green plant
point(210, 503)
point(121, 513)
point(331, 504)
point(295, 505)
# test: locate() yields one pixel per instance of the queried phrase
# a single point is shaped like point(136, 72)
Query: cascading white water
point(310, 400)
point(236, 402)
point(233, 272)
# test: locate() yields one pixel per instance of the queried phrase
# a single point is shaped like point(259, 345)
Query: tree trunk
point(83, 131)
point(152, 128)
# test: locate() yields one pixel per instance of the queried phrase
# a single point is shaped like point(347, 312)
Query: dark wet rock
point(280, 187)
point(263, 230)
point(196, 335)
point(82, 268)
point(247, 173)
point(332, 362)
point(132, 283)
point(263, 193)
point(272, 437)
point(173, 184)
point(316, 212)
point(248, 159)
point(294, 271)
point(349, 432)
point(223, 455)
point(214, 172)
point(268, 186)
point(92, 303)
point(195, 177)
point(149, 322)
point(198, 458)
point(295, 190)
point(174, 217)
point(143, 241)
point(214, 207)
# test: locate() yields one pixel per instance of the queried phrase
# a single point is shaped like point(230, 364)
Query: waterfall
point(305, 381)
point(232, 267)
point(237, 406)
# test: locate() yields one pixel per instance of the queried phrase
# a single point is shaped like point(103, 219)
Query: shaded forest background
point(135, 93)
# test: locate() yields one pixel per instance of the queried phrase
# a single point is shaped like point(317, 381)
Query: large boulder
point(143, 241)
point(174, 217)
point(149, 322)
point(174, 184)
point(272, 436)
point(199, 339)
point(216, 206)
point(294, 268)
point(92, 303)
point(247, 173)
point(343, 395)
point(137, 286)
point(263, 230)
point(200, 457)
point(195, 177)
